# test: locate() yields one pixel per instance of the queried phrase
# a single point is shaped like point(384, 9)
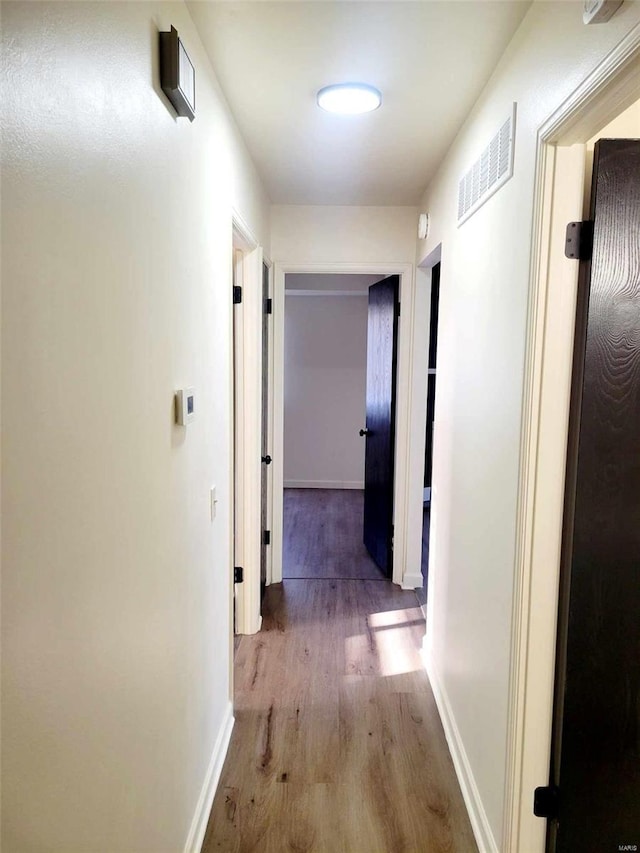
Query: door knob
point(364, 432)
point(267, 460)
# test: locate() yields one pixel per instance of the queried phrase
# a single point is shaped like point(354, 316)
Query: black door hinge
point(546, 801)
point(268, 306)
point(238, 574)
point(237, 294)
point(266, 537)
point(578, 244)
point(398, 309)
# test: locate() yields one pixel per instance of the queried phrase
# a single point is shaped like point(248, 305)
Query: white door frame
point(246, 517)
point(613, 86)
point(402, 574)
point(270, 369)
point(421, 366)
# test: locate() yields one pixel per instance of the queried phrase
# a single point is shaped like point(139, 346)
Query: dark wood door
point(596, 745)
point(382, 340)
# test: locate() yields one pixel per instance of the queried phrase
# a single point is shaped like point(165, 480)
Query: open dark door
point(382, 339)
point(595, 772)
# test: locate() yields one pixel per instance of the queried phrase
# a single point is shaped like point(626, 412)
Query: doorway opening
point(336, 356)
point(560, 196)
point(594, 733)
point(402, 442)
point(429, 432)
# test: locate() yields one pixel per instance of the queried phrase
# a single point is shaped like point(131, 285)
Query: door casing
point(408, 576)
point(424, 275)
point(267, 424)
point(245, 535)
point(559, 198)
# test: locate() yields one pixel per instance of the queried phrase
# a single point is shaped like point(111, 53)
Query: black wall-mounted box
point(177, 75)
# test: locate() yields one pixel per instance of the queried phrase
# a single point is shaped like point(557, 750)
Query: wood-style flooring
point(322, 536)
point(337, 746)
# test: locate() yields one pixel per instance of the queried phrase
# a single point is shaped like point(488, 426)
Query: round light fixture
point(349, 98)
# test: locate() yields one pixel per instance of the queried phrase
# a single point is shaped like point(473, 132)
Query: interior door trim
point(607, 91)
point(405, 440)
point(247, 435)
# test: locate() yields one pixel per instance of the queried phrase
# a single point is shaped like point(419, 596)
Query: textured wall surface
point(363, 235)
point(481, 352)
point(116, 261)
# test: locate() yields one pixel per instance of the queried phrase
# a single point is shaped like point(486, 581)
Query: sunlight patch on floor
point(389, 647)
point(395, 618)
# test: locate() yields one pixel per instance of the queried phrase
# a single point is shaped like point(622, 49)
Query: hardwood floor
point(337, 746)
point(323, 535)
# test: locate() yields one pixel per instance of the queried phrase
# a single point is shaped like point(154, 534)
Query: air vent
point(491, 170)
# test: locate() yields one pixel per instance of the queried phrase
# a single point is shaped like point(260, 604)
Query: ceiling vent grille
point(491, 170)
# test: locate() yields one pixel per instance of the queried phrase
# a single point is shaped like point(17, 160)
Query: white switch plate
point(214, 503)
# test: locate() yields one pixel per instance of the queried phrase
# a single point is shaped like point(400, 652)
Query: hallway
point(337, 745)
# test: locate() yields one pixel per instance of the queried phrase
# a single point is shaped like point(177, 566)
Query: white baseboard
point(477, 815)
point(211, 779)
point(323, 484)
point(412, 580)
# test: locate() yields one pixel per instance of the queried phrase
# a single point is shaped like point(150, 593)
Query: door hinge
point(398, 309)
point(578, 244)
point(268, 306)
point(546, 801)
point(237, 294)
point(393, 535)
point(238, 574)
point(266, 537)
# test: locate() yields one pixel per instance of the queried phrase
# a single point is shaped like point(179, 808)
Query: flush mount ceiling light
point(349, 98)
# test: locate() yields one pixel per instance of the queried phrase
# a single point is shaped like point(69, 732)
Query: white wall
point(325, 372)
point(116, 236)
point(483, 312)
point(360, 235)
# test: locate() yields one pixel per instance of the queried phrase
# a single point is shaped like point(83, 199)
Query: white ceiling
point(430, 59)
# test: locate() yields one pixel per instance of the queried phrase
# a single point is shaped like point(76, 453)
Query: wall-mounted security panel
point(599, 11)
point(185, 406)
point(177, 75)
